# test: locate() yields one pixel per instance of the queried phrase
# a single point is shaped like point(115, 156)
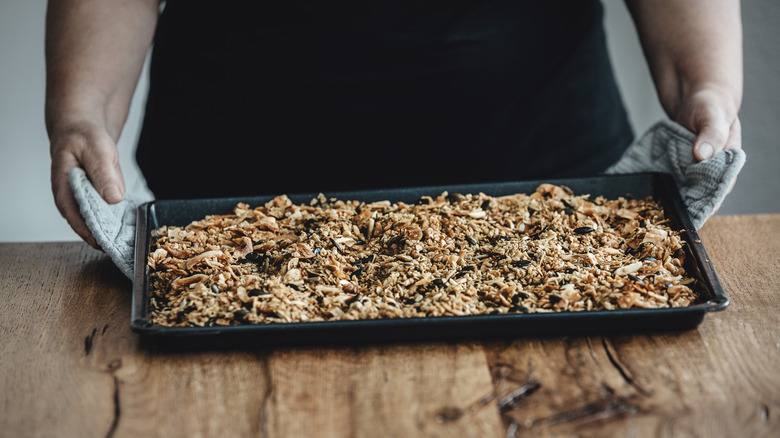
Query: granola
point(442, 256)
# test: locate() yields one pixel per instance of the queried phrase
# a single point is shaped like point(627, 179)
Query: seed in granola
point(352, 300)
point(215, 288)
point(257, 292)
point(635, 278)
point(555, 299)
point(465, 270)
point(240, 314)
point(536, 235)
point(271, 313)
point(470, 240)
point(317, 251)
point(568, 211)
point(485, 205)
point(648, 259)
point(454, 197)
point(584, 230)
point(356, 272)
point(337, 245)
point(521, 263)
point(363, 260)
point(396, 240)
point(636, 250)
point(254, 256)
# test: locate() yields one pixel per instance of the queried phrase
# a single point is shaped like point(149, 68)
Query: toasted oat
point(450, 255)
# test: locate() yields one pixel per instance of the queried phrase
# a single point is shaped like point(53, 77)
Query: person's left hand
point(712, 116)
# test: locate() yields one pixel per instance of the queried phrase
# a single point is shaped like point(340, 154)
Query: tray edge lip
point(138, 305)
point(719, 300)
point(140, 325)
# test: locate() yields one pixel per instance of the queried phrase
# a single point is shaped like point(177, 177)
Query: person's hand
point(95, 53)
point(695, 58)
point(89, 146)
point(712, 116)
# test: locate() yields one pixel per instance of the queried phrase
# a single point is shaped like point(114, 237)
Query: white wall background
point(27, 211)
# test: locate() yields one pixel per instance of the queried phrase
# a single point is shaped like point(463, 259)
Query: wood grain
point(71, 367)
point(398, 391)
point(49, 383)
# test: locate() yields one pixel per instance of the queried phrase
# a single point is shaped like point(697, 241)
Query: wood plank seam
point(613, 359)
point(112, 368)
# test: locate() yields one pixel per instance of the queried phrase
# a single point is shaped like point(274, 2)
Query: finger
point(63, 196)
point(713, 133)
point(735, 136)
point(734, 142)
point(101, 163)
point(731, 186)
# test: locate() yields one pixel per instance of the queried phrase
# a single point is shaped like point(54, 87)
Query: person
point(307, 97)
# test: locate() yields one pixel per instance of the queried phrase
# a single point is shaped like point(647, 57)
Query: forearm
point(95, 52)
point(691, 46)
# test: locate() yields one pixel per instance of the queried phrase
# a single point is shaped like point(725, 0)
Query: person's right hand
point(89, 146)
point(95, 53)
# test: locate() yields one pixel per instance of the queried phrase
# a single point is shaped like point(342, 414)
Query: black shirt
point(306, 96)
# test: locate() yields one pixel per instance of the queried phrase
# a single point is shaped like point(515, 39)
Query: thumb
point(711, 139)
point(711, 126)
point(101, 163)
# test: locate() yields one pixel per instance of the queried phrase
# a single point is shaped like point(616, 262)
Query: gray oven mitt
point(668, 147)
point(112, 225)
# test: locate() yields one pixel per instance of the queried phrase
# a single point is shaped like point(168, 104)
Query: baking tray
point(449, 328)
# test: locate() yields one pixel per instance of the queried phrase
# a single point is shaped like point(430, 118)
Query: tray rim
point(717, 301)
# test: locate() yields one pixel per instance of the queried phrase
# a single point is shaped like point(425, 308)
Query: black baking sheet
point(449, 328)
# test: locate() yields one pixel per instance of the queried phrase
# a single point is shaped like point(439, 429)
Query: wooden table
point(71, 367)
